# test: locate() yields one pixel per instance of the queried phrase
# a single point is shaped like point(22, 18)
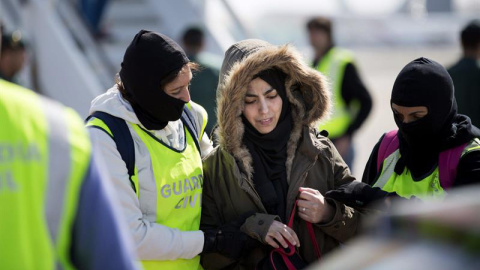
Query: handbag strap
point(311, 233)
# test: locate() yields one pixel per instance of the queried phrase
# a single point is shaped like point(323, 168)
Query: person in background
point(55, 201)
point(160, 184)
point(270, 155)
point(351, 101)
point(435, 148)
point(203, 87)
point(13, 55)
point(92, 12)
point(466, 73)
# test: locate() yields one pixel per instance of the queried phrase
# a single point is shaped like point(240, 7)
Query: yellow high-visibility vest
point(333, 66)
point(405, 186)
point(44, 156)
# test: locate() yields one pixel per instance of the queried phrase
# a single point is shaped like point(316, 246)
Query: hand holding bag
point(288, 259)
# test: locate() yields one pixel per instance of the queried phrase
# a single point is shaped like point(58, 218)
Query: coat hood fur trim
point(307, 91)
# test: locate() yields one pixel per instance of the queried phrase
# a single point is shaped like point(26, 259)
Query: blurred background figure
point(434, 235)
point(351, 101)
point(92, 12)
point(14, 55)
point(466, 73)
point(203, 86)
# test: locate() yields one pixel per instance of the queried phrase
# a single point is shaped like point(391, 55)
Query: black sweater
point(354, 89)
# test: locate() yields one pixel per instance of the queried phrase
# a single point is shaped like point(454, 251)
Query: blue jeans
point(92, 11)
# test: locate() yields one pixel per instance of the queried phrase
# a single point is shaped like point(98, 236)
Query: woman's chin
point(265, 129)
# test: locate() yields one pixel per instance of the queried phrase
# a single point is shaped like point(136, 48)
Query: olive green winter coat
point(312, 161)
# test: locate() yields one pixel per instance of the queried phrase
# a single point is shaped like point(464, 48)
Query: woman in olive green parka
point(268, 94)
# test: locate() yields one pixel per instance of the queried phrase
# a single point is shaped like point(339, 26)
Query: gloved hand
point(358, 194)
point(227, 240)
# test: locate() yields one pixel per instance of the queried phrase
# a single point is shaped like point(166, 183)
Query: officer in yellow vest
point(161, 198)
point(55, 207)
point(425, 111)
point(351, 101)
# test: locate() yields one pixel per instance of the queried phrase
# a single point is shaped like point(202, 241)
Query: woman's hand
point(312, 206)
point(281, 232)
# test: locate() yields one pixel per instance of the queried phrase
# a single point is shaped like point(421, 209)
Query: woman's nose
point(185, 96)
point(408, 119)
point(263, 106)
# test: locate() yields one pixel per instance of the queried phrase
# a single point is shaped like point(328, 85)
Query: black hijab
point(269, 151)
point(424, 82)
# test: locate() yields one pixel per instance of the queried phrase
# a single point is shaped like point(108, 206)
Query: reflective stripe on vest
point(333, 66)
point(39, 186)
point(405, 186)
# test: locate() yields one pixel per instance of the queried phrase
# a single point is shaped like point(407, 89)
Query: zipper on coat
point(299, 184)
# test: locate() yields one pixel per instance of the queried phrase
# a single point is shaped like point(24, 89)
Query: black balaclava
point(149, 58)
point(424, 82)
point(269, 151)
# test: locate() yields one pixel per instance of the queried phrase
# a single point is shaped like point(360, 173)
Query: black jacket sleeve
point(468, 170)
point(370, 172)
point(354, 89)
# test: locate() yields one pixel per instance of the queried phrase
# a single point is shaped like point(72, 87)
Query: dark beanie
point(149, 58)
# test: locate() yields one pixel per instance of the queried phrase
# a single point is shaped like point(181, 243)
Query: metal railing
point(94, 54)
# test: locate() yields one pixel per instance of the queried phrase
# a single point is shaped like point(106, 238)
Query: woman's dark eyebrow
point(266, 93)
point(269, 91)
point(418, 112)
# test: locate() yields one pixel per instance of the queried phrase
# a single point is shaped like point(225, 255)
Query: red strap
point(311, 233)
point(287, 262)
point(314, 241)
point(388, 145)
point(290, 222)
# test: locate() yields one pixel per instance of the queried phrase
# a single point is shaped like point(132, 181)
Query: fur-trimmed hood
point(307, 91)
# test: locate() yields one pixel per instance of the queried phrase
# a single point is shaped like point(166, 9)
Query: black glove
point(359, 194)
point(227, 240)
